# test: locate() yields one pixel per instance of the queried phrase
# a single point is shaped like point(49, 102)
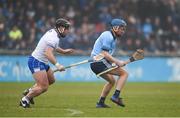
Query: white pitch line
point(74, 112)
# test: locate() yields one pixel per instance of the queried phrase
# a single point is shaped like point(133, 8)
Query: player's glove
point(60, 67)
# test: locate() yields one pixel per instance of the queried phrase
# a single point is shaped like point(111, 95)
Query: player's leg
point(42, 86)
point(123, 75)
point(34, 66)
point(25, 92)
point(106, 89)
point(51, 78)
point(98, 67)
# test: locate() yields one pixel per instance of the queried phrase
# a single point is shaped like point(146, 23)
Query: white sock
point(25, 99)
point(30, 89)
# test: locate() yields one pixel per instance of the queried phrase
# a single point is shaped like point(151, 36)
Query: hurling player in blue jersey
point(105, 44)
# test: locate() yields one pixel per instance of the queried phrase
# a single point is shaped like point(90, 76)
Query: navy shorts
point(100, 66)
point(35, 65)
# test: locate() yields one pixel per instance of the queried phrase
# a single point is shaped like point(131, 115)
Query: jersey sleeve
point(106, 41)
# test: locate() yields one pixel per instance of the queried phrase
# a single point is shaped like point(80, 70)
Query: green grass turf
point(142, 99)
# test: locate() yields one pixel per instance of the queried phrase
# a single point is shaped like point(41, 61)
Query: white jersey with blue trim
point(106, 41)
point(49, 39)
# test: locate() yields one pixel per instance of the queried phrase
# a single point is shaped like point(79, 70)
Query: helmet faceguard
point(62, 23)
point(118, 26)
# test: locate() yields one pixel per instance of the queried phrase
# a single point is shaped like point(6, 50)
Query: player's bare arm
point(112, 59)
point(64, 51)
point(50, 56)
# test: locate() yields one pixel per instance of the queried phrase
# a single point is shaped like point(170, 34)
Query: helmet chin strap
point(60, 31)
point(115, 29)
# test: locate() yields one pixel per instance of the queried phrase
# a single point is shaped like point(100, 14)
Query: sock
point(25, 99)
point(101, 100)
point(30, 89)
point(116, 93)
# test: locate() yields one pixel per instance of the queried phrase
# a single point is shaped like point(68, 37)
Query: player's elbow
point(105, 53)
point(46, 53)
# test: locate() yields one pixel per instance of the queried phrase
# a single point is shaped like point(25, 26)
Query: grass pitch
point(79, 99)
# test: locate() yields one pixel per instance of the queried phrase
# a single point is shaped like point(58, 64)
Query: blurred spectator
point(15, 34)
point(15, 37)
point(104, 15)
point(152, 24)
point(3, 42)
point(147, 28)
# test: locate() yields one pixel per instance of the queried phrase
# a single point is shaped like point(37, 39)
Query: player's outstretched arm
point(64, 51)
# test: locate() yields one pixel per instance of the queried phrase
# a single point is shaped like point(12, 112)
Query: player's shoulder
point(107, 34)
point(51, 33)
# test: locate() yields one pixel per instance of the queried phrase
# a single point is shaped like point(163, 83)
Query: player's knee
point(125, 74)
point(52, 81)
point(112, 82)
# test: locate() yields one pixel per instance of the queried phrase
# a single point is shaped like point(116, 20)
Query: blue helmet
point(118, 22)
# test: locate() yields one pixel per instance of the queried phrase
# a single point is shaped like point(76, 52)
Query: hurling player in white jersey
point(38, 61)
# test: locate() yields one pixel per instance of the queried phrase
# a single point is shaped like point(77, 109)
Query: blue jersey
point(106, 41)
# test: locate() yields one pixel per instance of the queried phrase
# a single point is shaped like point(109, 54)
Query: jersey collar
point(58, 34)
point(114, 37)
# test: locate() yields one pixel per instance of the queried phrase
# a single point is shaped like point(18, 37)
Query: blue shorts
point(100, 66)
point(35, 65)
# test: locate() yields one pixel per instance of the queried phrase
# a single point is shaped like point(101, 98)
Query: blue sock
point(116, 93)
point(101, 100)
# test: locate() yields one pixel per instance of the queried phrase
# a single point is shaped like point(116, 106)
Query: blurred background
point(153, 84)
point(152, 25)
